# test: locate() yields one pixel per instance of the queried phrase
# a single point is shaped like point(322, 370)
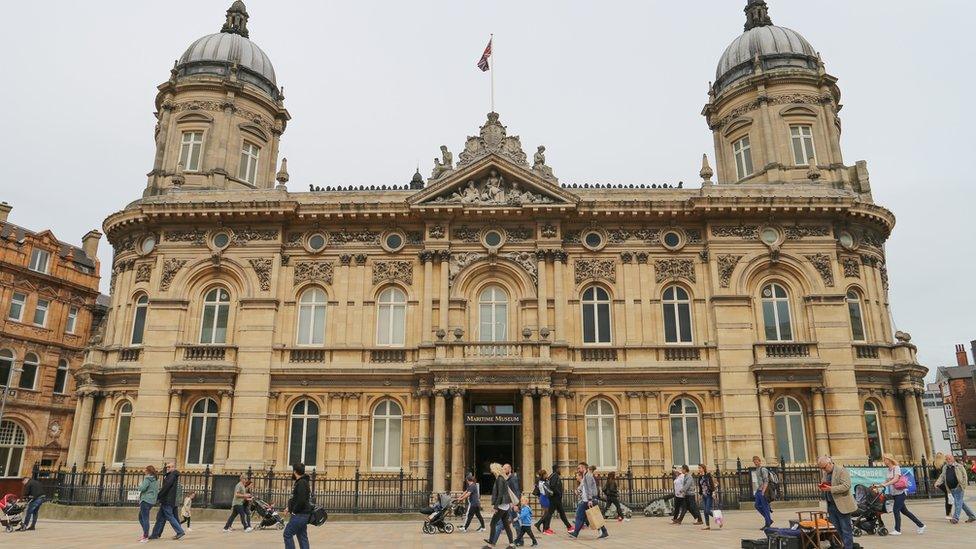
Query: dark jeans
point(166, 513)
point(144, 517)
point(957, 497)
point(512, 521)
point(707, 507)
point(581, 520)
point(297, 526)
point(185, 520)
point(474, 512)
point(692, 507)
point(30, 516)
point(555, 506)
point(523, 529)
point(900, 508)
point(242, 511)
point(762, 505)
point(615, 501)
point(843, 524)
point(499, 520)
point(679, 507)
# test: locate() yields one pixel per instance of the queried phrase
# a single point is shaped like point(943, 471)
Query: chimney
point(962, 359)
point(4, 211)
point(972, 347)
point(89, 243)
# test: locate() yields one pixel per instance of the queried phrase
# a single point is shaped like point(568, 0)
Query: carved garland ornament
point(852, 269)
point(797, 98)
point(527, 261)
point(674, 268)
point(393, 270)
point(262, 268)
point(189, 235)
point(143, 272)
point(320, 271)
point(747, 232)
point(821, 262)
point(595, 268)
point(243, 235)
point(218, 106)
point(461, 260)
point(798, 232)
point(170, 268)
point(726, 265)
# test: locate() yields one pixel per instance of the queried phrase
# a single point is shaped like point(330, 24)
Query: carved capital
point(626, 257)
point(818, 390)
point(442, 393)
point(422, 392)
point(176, 392)
point(527, 391)
point(545, 392)
point(641, 258)
point(764, 391)
point(634, 394)
point(458, 392)
point(425, 256)
point(345, 259)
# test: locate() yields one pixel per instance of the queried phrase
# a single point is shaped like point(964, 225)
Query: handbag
point(717, 515)
point(901, 483)
point(595, 517)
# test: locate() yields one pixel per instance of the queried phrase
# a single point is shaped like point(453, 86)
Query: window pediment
point(736, 125)
point(797, 111)
point(191, 117)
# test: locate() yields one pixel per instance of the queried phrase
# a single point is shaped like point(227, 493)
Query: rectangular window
point(28, 375)
point(39, 260)
point(40, 312)
point(191, 149)
point(16, 311)
point(802, 144)
point(69, 326)
point(122, 438)
point(857, 322)
point(742, 151)
point(249, 162)
point(61, 380)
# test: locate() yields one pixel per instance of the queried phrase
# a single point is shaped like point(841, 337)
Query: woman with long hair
point(897, 491)
point(706, 489)
point(148, 492)
point(937, 464)
point(612, 493)
point(501, 502)
point(544, 494)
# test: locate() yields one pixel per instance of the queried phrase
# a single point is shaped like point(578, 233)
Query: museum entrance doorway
point(493, 429)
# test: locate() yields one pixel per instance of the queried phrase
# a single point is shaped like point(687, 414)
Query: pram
point(11, 512)
point(269, 515)
point(436, 515)
point(870, 507)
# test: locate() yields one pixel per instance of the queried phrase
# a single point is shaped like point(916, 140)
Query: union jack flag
point(483, 62)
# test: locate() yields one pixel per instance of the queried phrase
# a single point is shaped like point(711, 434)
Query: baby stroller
point(11, 512)
point(870, 506)
point(269, 515)
point(437, 515)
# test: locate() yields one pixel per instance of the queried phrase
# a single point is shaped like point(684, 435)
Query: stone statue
point(446, 164)
point(471, 194)
point(494, 188)
point(539, 163)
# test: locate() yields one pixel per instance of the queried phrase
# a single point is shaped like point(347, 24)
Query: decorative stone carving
point(726, 265)
point(852, 268)
point(466, 234)
point(360, 259)
point(143, 272)
point(189, 235)
point(665, 269)
point(525, 260)
point(393, 270)
point(595, 268)
point(493, 139)
point(415, 237)
point(494, 190)
point(694, 236)
point(641, 258)
point(746, 232)
point(294, 239)
point(548, 231)
point(243, 235)
point(443, 165)
point(782, 99)
point(262, 268)
point(320, 271)
point(345, 260)
point(883, 271)
point(626, 257)
point(821, 262)
point(436, 231)
point(362, 236)
point(539, 164)
point(170, 268)
point(240, 112)
point(798, 232)
point(518, 234)
point(461, 260)
point(425, 256)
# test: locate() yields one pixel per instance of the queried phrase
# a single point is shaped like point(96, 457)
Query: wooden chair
point(813, 537)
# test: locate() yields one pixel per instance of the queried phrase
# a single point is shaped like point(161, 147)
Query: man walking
point(760, 487)
point(32, 491)
point(516, 489)
point(836, 486)
point(953, 478)
point(167, 504)
point(300, 508)
point(587, 500)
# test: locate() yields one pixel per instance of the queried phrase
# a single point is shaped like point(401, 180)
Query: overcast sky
point(613, 89)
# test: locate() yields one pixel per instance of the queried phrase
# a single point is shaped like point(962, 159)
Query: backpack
point(318, 516)
point(773, 490)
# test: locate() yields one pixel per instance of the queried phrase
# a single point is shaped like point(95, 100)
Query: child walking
point(186, 509)
point(525, 522)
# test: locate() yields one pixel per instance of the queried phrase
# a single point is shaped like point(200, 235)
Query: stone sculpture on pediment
point(493, 190)
point(539, 164)
point(443, 165)
point(459, 261)
point(493, 138)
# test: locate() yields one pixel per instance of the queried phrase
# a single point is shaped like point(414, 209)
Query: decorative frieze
point(852, 268)
point(726, 265)
point(821, 262)
point(170, 268)
point(436, 231)
point(747, 232)
point(262, 268)
point(783, 99)
point(548, 231)
point(294, 239)
point(587, 269)
point(466, 234)
point(805, 231)
point(665, 269)
point(219, 106)
point(361, 236)
point(193, 236)
point(319, 271)
point(519, 234)
point(243, 235)
point(384, 271)
point(143, 272)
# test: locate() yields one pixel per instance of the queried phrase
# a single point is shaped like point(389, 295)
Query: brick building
point(958, 386)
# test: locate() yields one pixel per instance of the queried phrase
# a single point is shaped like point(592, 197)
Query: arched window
point(216, 309)
point(61, 378)
point(596, 315)
point(387, 429)
point(685, 432)
point(391, 317)
point(791, 440)
point(776, 313)
point(203, 432)
point(872, 424)
point(123, 421)
point(857, 319)
point(304, 439)
point(677, 317)
point(6, 366)
point(12, 444)
point(28, 374)
point(601, 434)
point(139, 319)
point(493, 314)
point(311, 317)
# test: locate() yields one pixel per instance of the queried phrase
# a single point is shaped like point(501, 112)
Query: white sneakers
point(248, 529)
point(226, 530)
point(921, 529)
point(894, 533)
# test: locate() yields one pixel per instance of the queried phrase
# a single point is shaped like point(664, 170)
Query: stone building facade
point(49, 302)
point(492, 313)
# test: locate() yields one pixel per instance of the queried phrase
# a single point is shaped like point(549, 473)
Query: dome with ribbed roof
point(217, 54)
point(775, 47)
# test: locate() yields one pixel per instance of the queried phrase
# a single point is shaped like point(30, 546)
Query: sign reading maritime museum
point(492, 419)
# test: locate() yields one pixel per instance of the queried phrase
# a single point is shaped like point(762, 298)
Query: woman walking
point(897, 487)
point(679, 495)
point(937, 464)
point(544, 493)
point(472, 493)
point(706, 489)
point(148, 491)
point(555, 484)
point(612, 493)
point(501, 502)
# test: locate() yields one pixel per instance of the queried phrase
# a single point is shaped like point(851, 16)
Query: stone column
point(75, 424)
point(457, 440)
point(445, 299)
point(423, 432)
point(655, 438)
point(172, 425)
point(766, 423)
point(559, 296)
point(545, 429)
point(223, 428)
point(562, 430)
point(83, 425)
point(820, 434)
point(636, 430)
point(914, 423)
point(543, 299)
point(528, 439)
point(427, 308)
point(440, 428)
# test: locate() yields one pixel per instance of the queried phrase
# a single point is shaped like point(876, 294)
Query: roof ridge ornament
point(236, 22)
point(493, 138)
point(757, 14)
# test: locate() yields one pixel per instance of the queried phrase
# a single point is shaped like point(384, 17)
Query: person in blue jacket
point(525, 522)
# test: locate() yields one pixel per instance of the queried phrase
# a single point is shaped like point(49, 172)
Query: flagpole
point(491, 69)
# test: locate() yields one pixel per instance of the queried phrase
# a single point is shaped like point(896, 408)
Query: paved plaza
point(640, 532)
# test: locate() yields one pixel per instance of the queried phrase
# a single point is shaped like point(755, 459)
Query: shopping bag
point(595, 517)
point(719, 519)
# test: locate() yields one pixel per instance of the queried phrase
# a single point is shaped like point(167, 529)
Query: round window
point(221, 240)
point(672, 239)
point(316, 242)
point(148, 244)
point(846, 239)
point(769, 236)
point(394, 241)
point(593, 239)
point(493, 239)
